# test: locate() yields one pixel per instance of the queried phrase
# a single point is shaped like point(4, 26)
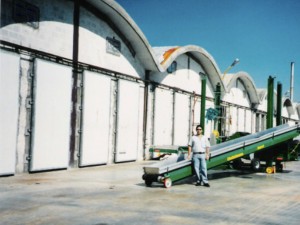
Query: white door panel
point(248, 122)
point(182, 119)
point(95, 119)
point(9, 98)
point(52, 110)
point(241, 120)
point(234, 120)
point(163, 111)
point(127, 121)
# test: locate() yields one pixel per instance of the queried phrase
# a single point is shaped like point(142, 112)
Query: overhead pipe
point(270, 108)
point(279, 104)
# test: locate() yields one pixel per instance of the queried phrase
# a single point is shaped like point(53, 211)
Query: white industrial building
point(81, 86)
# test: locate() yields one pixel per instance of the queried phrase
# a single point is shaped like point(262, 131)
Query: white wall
point(54, 33)
point(92, 41)
point(241, 118)
point(184, 78)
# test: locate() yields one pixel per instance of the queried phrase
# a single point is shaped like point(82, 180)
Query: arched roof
point(159, 59)
point(129, 31)
point(289, 106)
point(166, 55)
point(298, 110)
point(262, 93)
point(247, 82)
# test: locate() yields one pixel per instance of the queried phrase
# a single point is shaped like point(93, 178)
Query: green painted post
point(279, 106)
point(270, 100)
point(218, 107)
point(203, 102)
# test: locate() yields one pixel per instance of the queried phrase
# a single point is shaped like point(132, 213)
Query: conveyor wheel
point(255, 164)
point(237, 164)
point(269, 170)
point(279, 167)
point(148, 183)
point(167, 182)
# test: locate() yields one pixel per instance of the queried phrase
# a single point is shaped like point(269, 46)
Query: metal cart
point(174, 168)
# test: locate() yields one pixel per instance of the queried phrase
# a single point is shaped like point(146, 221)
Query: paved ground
point(116, 194)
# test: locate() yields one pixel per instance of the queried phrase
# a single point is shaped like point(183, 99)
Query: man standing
point(199, 145)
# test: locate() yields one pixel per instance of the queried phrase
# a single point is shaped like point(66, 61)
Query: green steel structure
point(218, 126)
point(270, 102)
point(203, 103)
point(279, 106)
point(270, 145)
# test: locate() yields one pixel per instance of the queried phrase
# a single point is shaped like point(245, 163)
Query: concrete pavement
point(116, 194)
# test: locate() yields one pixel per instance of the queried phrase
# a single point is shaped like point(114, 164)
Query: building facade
point(81, 86)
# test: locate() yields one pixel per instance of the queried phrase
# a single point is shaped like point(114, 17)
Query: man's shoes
point(198, 184)
point(206, 185)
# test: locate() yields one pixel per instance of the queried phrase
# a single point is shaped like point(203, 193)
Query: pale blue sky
point(263, 34)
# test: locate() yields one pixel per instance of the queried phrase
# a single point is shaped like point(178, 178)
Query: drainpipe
point(147, 73)
point(75, 78)
point(218, 107)
point(270, 109)
point(279, 106)
point(203, 102)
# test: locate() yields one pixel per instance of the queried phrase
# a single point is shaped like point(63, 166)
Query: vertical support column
point(153, 87)
point(114, 104)
point(173, 116)
point(279, 106)
point(79, 118)
point(270, 109)
point(218, 107)
point(115, 118)
point(145, 116)
point(75, 78)
point(203, 103)
point(25, 114)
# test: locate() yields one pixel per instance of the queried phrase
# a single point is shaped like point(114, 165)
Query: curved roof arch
point(128, 30)
point(130, 33)
point(150, 57)
point(298, 110)
point(248, 84)
point(289, 106)
point(166, 55)
point(262, 93)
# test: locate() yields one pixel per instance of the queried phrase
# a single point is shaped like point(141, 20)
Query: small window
point(113, 46)
point(24, 12)
point(172, 68)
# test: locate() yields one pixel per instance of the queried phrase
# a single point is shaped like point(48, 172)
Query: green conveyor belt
point(227, 151)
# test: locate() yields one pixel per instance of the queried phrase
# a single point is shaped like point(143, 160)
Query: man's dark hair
point(198, 126)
